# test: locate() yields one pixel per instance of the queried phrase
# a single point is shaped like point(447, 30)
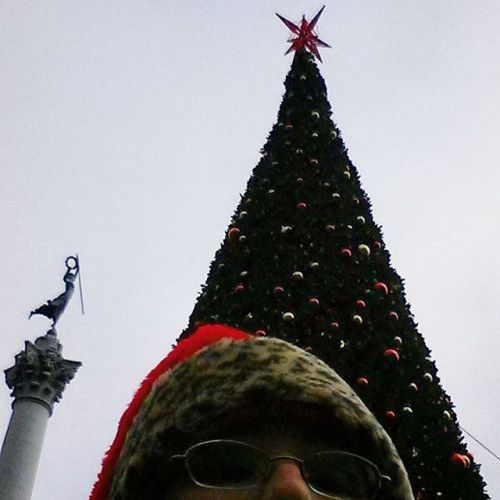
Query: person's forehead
point(290, 437)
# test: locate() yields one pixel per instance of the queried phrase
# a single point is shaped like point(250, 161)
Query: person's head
point(209, 419)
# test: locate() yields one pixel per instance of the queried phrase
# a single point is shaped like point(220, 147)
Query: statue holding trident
point(55, 307)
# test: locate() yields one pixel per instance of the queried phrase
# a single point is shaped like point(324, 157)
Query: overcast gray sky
point(129, 129)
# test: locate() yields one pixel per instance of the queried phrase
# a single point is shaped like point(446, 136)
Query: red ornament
point(314, 162)
point(413, 387)
point(361, 304)
point(314, 301)
point(392, 353)
point(460, 460)
point(390, 414)
point(304, 35)
point(334, 325)
point(238, 288)
point(301, 205)
point(330, 228)
point(394, 315)
point(346, 252)
point(278, 290)
point(377, 245)
point(234, 233)
point(260, 333)
point(382, 287)
point(362, 381)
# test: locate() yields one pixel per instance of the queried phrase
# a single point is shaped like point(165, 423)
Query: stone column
point(37, 380)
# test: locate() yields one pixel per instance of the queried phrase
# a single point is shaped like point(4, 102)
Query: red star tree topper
point(305, 37)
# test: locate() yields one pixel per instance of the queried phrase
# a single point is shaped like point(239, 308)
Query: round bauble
point(313, 162)
point(238, 288)
point(297, 276)
point(398, 340)
point(260, 333)
point(357, 319)
point(288, 316)
point(381, 287)
point(360, 219)
point(346, 252)
point(364, 250)
point(393, 315)
point(428, 377)
point(460, 460)
point(314, 302)
point(361, 304)
point(315, 114)
point(243, 214)
point(301, 205)
point(362, 381)
point(234, 232)
point(390, 415)
point(392, 354)
point(278, 290)
point(330, 228)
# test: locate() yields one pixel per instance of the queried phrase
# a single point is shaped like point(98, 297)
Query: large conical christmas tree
point(304, 261)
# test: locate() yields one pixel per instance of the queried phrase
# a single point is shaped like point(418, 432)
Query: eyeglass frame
point(300, 462)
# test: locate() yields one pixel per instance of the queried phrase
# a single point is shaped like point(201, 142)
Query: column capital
point(40, 373)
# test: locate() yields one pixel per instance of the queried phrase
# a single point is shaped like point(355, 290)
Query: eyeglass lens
point(229, 464)
point(342, 474)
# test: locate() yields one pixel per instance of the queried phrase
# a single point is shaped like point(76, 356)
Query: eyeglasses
point(227, 464)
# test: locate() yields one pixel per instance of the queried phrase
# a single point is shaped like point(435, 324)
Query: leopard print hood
point(223, 378)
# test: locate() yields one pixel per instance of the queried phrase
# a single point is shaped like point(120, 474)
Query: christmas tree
point(303, 260)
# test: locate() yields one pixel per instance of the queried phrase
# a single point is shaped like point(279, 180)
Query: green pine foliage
point(304, 261)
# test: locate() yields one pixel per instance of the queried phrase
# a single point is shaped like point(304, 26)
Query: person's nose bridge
point(285, 481)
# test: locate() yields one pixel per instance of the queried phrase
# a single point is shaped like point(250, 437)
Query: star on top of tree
point(305, 37)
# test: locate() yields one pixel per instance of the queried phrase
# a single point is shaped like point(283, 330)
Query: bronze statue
point(55, 307)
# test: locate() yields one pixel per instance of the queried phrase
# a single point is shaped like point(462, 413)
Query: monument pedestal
point(37, 380)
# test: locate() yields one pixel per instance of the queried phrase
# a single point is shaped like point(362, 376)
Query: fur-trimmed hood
point(222, 378)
